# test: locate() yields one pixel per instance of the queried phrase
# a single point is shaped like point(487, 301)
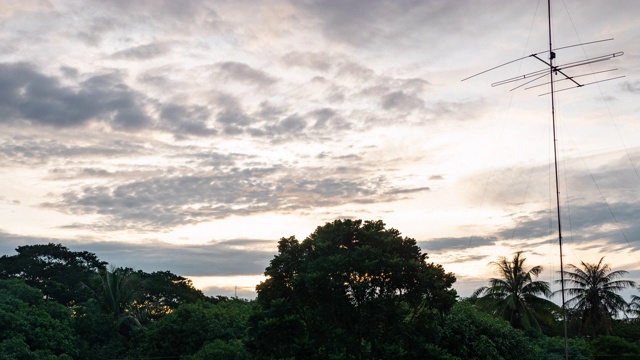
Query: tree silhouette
point(515, 296)
point(351, 289)
point(115, 291)
point(593, 289)
point(54, 269)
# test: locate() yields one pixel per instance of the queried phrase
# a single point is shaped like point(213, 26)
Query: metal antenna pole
point(552, 56)
point(532, 78)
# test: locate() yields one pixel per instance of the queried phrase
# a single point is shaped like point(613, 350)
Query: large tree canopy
point(32, 327)
point(52, 268)
point(352, 289)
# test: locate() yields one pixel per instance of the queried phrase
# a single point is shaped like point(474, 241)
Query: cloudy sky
point(191, 135)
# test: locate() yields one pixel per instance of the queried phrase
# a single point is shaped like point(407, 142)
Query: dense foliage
point(350, 290)
point(516, 296)
point(593, 291)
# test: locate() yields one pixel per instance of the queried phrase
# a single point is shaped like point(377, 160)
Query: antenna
point(534, 80)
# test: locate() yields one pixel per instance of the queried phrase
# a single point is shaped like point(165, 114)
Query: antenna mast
point(552, 56)
point(553, 71)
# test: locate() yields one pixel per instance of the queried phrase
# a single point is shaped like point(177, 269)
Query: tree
point(189, 328)
point(471, 334)
point(33, 327)
point(222, 350)
point(634, 306)
point(115, 291)
point(593, 290)
point(350, 290)
point(515, 296)
point(160, 293)
point(53, 269)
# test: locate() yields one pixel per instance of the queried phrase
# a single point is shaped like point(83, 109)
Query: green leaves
point(593, 292)
point(190, 327)
point(351, 288)
point(516, 296)
point(33, 328)
point(53, 269)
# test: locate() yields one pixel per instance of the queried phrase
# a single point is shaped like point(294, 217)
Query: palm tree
point(118, 291)
point(516, 296)
point(634, 306)
point(115, 290)
point(593, 290)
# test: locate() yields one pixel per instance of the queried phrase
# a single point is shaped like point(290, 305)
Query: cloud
point(216, 258)
point(322, 116)
point(354, 22)
point(398, 100)
point(632, 87)
point(241, 72)
point(221, 187)
point(460, 243)
point(27, 150)
point(585, 225)
point(186, 120)
point(142, 52)
point(98, 28)
point(401, 24)
point(409, 191)
point(105, 19)
point(311, 60)
point(292, 124)
point(26, 94)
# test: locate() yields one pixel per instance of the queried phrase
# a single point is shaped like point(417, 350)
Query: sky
point(190, 136)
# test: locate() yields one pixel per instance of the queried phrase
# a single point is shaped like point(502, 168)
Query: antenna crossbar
point(591, 83)
point(557, 69)
point(537, 53)
point(577, 76)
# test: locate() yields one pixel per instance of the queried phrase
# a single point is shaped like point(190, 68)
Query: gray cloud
point(613, 223)
point(366, 23)
point(399, 100)
point(186, 120)
point(159, 201)
point(142, 52)
point(231, 70)
point(97, 28)
point(311, 60)
point(322, 116)
point(632, 87)
point(26, 94)
point(352, 21)
point(161, 16)
point(292, 124)
point(355, 71)
point(409, 191)
point(460, 243)
point(216, 258)
point(30, 151)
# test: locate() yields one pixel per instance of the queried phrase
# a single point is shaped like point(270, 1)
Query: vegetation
point(593, 291)
point(516, 296)
point(350, 290)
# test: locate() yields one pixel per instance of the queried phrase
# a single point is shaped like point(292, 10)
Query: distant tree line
point(352, 289)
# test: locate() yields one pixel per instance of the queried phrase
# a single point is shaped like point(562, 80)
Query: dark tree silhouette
point(351, 289)
point(54, 269)
point(516, 296)
point(593, 291)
